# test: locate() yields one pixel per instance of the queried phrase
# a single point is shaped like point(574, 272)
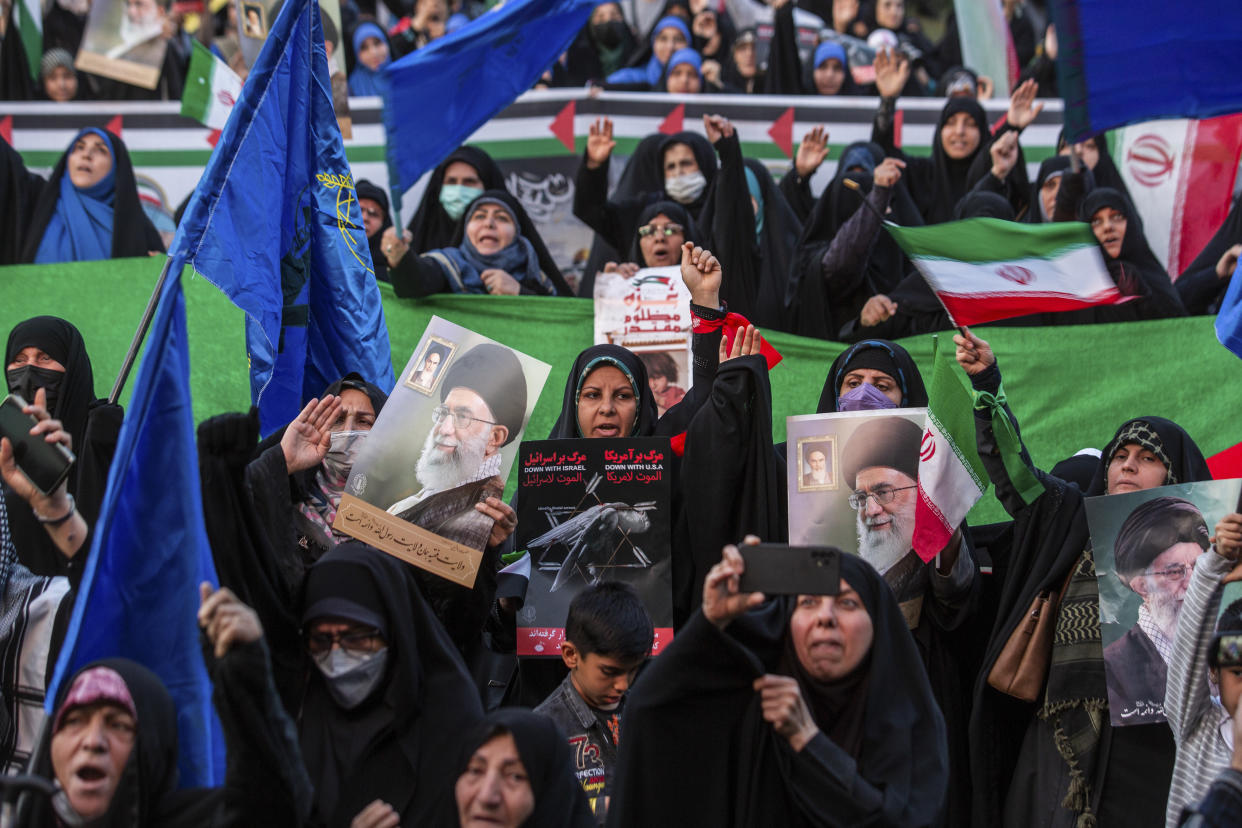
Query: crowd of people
point(354, 689)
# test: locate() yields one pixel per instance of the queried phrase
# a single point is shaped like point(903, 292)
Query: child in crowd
point(608, 635)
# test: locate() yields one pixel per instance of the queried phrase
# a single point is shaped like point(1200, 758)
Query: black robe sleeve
point(612, 221)
point(797, 191)
point(733, 231)
point(417, 276)
point(265, 781)
point(19, 190)
point(1202, 290)
point(784, 73)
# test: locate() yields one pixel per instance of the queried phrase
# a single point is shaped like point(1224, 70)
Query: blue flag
point(1229, 319)
point(139, 593)
point(440, 94)
point(1124, 62)
point(275, 224)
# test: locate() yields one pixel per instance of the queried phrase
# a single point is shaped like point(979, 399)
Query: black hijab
point(390, 747)
point(1200, 288)
point(526, 229)
point(1105, 171)
point(132, 232)
point(881, 355)
point(1164, 438)
point(704, 155)
point(937, 184)
point(63, 342)
point(147, 794)
point(699, 691)
point(559, 800)
point(566, 426)
point(676, 214)
point(1136, 270)
point(431, 226)
point(1056, 165)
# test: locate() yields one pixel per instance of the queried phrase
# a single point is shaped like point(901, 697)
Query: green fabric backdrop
point(1070, 387)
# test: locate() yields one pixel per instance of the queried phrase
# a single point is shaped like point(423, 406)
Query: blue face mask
point(455, 198)
point(865, 397)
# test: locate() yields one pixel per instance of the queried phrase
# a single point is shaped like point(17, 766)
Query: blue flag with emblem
point(467, 77)
point(139, 598)
point(275, 224)
point(1120, 63)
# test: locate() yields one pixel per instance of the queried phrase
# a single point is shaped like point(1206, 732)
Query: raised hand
point(879, 308)
point(308, 437)
point(499, 283)
point(892, 70)
point(722, 602)
point(395, 247)
point(600, 143)
point(747, 341)
point(1228, 537)
point(1228, 262)
point(1022, 107)
point(973, 354)
point(701, 272)
point(811, 152)
point(888, 172)
point(226, 620)
point(1004, 152)
point(717, 127)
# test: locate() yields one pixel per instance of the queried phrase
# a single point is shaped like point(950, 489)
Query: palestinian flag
point(29, 18)
point(211, 89)
point(985, 269)
point(951, 476)
point(1180, 174)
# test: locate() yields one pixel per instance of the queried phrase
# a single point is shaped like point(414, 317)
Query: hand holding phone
point(35, 455)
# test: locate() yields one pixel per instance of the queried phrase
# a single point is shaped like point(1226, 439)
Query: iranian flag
point(985, 269)
point(211, 89)
point(951, 476)
point(1180, 174)
point(29, 19)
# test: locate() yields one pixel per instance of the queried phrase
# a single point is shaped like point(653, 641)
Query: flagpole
point(139, 335)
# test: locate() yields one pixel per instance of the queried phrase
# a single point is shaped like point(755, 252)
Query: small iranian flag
point(211, 89)
point(29, 20)
point(951, 476)
point(985, 269)
point(1180, 174)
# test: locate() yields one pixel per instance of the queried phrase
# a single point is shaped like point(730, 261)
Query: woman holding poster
point(1063, 762)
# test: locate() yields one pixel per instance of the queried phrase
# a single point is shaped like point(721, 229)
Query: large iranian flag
point(951, 476)
point(1180, 174)
point(211, 89)
point(985, 269)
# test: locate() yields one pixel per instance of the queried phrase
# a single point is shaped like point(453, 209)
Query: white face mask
point(351, 677)
point(685, 189)
point(343, 451)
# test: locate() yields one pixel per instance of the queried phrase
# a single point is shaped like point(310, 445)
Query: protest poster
point(256, 18)
point(1145, 545)
point(649, 313)
point(593, 510)
point(445, 441)
point(853, 484)
point(124, 40)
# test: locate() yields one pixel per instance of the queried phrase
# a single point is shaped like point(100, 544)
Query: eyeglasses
point(353, 641)
point(462, 418)
point(883, 496)
point(1115, 220)
point(1175, 572)
point(667, 229)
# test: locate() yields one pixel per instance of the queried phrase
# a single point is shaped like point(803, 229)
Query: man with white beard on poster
point(1155, 551)
point(880, 464)
point(482, 409)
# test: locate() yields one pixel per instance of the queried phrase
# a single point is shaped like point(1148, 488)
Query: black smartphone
point(780, 569)
point(46, 464)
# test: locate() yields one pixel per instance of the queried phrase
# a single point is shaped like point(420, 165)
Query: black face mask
point(610, 35)
point(29, 378)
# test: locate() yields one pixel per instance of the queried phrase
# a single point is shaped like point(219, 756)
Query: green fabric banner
point(1070, 387)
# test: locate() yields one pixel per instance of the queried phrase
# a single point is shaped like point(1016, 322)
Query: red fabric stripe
point(1209, 175)
point(975, 310)
point(730, 325)
point(930, 533)
point(549, 639)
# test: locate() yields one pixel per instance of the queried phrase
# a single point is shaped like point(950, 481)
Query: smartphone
point(780, 569)
point(46, 464)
